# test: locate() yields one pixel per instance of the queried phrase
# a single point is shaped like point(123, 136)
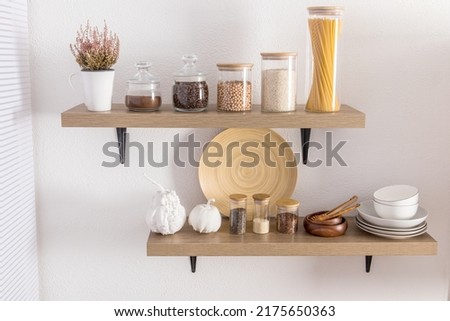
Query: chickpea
point(234, 96)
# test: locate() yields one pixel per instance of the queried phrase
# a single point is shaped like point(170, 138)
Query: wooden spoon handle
point(325, 216)
point(342, 212)
point(352, 200)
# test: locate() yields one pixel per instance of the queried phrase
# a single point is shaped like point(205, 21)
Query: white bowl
point(397, 195)
point(367, 212)
point(396, 212)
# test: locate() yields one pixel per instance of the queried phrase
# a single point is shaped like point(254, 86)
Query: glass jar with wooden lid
point(278, 81)
point(261, 215)
point(234, 87)
point(287, 215)
point(323, 47)
point(238, 213)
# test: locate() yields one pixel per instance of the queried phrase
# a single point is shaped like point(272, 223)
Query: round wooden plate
point(238, 161)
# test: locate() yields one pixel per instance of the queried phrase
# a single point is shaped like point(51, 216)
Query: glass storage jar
point(278, 81)
point(238, 213)
point(322, 84)
point(234, 87)
point(143, 90)
point(287, 216)
point(190, 90)
point(261, 215)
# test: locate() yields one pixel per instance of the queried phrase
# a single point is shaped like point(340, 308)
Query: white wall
point(92, 234)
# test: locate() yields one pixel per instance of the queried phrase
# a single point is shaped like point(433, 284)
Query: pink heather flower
point(95, 50)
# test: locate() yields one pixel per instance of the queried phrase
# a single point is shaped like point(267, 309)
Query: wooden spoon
point(340, 207)
point(342, 212)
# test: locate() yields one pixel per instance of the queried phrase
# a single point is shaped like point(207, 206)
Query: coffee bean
point(190, 96)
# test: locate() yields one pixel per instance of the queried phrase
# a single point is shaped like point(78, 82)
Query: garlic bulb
point(205, 218)
point(166, 215)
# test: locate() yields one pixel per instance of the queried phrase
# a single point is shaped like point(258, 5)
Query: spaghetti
point(325, 32)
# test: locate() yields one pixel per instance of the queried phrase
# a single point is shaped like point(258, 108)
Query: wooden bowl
point(331, 228)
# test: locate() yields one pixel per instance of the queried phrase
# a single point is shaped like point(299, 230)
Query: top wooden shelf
point(167, 117)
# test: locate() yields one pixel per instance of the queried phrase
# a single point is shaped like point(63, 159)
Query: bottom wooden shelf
point(355, 242)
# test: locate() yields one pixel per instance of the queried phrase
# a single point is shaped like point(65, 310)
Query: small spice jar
point(261, 216)
point(234, 87)
point(143, 90)
point(287, 216)
point(190, 90)
point(278, 81)
point(238, 213)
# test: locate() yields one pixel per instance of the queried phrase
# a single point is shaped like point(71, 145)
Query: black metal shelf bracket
point(305, 136)
point(121, 134)
point(193, 263)
point(368, 262)
point(193, 260)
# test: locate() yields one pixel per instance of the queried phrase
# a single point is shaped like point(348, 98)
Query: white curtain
point(18, 250)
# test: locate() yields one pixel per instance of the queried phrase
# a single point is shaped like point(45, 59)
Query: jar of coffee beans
point(234, 87)
point(238, 213)
point(190, 90)
point(143, 90)
point(287, 216)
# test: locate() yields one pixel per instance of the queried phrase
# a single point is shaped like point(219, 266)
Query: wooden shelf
point(167, 117)
point(355, 242)
point(121, 118)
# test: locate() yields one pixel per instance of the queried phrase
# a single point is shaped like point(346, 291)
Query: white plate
point(397, 237)
point(389, 229)
point(367, 211)
point(391, 233)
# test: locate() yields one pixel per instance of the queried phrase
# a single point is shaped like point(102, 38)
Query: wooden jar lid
point(238, 197)
point(288, 203)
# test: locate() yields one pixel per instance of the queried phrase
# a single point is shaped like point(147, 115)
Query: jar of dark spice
point(190, 90)
point(143, 90)
point(238, 213)
point(287, 216)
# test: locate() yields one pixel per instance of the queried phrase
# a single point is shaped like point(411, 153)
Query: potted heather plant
point(96, 52)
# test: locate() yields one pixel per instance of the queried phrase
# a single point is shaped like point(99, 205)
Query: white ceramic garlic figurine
point(205, 218)
point(166, 215)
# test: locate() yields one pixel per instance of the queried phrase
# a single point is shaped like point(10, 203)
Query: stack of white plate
point(368, 220)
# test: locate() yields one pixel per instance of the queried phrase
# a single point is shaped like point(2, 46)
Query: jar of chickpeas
point(234, 87)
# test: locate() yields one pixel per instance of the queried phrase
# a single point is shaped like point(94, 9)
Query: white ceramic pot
point(97, 89)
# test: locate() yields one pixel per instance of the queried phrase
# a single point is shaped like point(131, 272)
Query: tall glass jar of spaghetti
point(323, 72)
